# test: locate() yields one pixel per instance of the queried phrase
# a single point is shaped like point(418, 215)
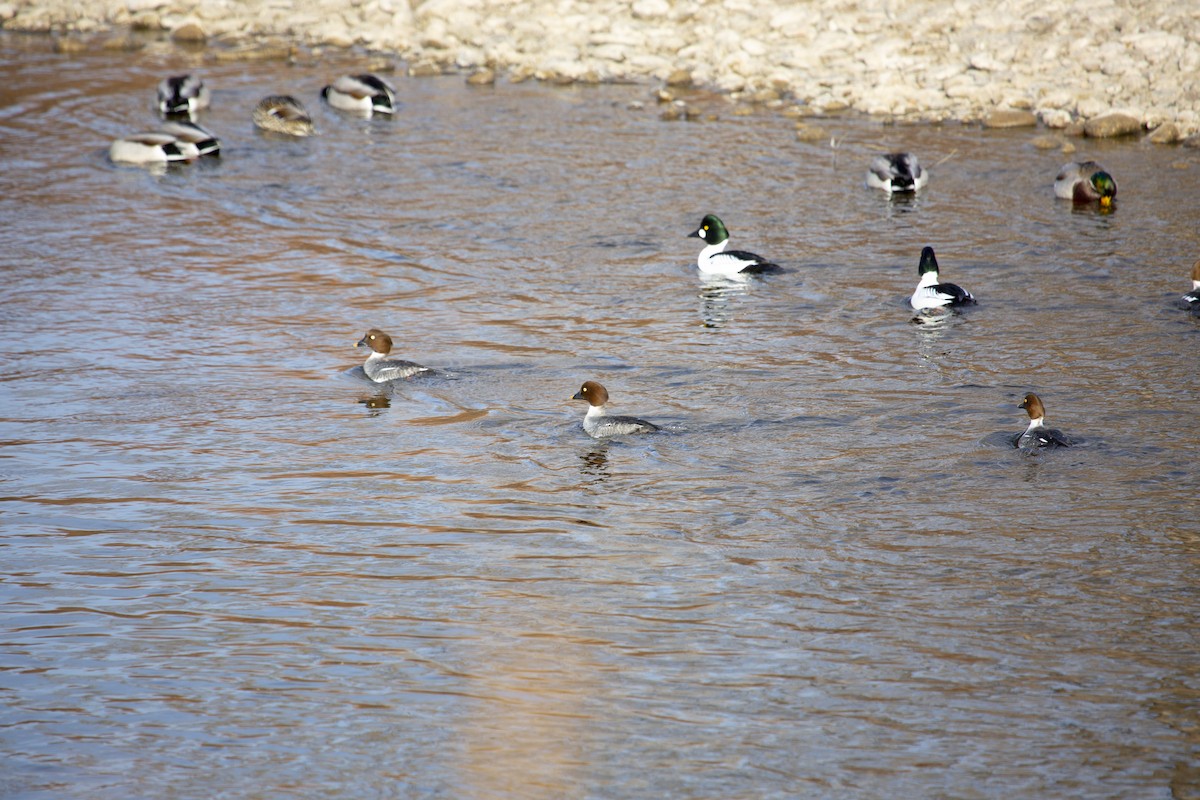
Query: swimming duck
point(206, 143)
point(379, 367)
point(1085, 182)
point(281, 113)
point(896, 172)
point(715, 260)
point(367, 94)
point(182, 94)
point(1037, 435)
point(152, 147)
point(598, 423)
point(930, 292)
point(1192, 298)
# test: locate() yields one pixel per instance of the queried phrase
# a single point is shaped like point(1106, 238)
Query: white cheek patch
point(703, 234)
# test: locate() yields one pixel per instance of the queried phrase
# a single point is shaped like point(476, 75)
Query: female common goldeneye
point(1192, 298)
point(1037, 435)
point(1085, 182)
point(206, 143)
point(598, 423)
point(152, 147)
point(182, 94)
point(281, 113)
point(930, 293)
point(896, 172)
point(714, 259)
point(367, 94)
point(379, 367)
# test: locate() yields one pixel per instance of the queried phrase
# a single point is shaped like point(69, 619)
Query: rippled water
point(231, 568)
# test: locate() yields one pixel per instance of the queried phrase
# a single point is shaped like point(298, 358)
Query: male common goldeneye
point(282, 113)
point(896, 172)
point(186, 131)
point(714, 259)
point(598, 423)
point(367, 94)
point(932, 294)
point(1192, 298)
point(1085, 182)
point(182, 94)
point(1037, 435)
point(379, 367)
point(152, 147)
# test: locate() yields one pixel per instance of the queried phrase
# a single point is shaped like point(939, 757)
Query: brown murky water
point(232, 569)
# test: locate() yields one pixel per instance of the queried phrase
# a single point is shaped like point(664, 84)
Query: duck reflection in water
point(594, 464)
point(716, 295)
point(376, 403)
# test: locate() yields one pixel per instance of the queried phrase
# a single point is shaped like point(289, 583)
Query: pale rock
point(1088, 106)
point(754, 47)
point(609, 52)
point(794, 23)
point(1112, 124)
point(144, 5)
point(1054, 117)
point(189, 32)
point(811, 133)
point(1156, 115)
point(650, 9)
point(1057, 98)
point(1166, 133)
point(1010, 118)
point(648, 64)
point(1155, 46)
point(986, 63)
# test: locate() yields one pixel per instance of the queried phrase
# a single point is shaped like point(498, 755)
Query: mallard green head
point(1105, 186)
point(711, 230)
point(928, 261)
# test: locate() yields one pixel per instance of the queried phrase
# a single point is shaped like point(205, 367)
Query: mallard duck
point(896, 172)
point(1037, 435)
point(367, 94)
point(281, 113)
point(1085, 182)
point(152, 147)
point(206, 143)
point(182, 94)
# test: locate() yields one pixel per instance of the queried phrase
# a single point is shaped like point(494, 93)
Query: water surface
point(232, 568)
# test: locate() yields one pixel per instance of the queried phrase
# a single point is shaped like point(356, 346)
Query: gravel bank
point(1062, 62)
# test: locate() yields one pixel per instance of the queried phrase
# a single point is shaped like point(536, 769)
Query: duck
point(714, 259)
point(598, 423)
point(1192, 298)
point(152, 147)
point(930, 292)
point(1085, 182)
point(1038, 436)
point(187, 131)
point(896, 172)
point(182, 94)
point(381, 369)
point(282, 113)
point(367, 94)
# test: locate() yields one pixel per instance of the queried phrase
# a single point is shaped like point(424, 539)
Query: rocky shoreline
point(1097, 68)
